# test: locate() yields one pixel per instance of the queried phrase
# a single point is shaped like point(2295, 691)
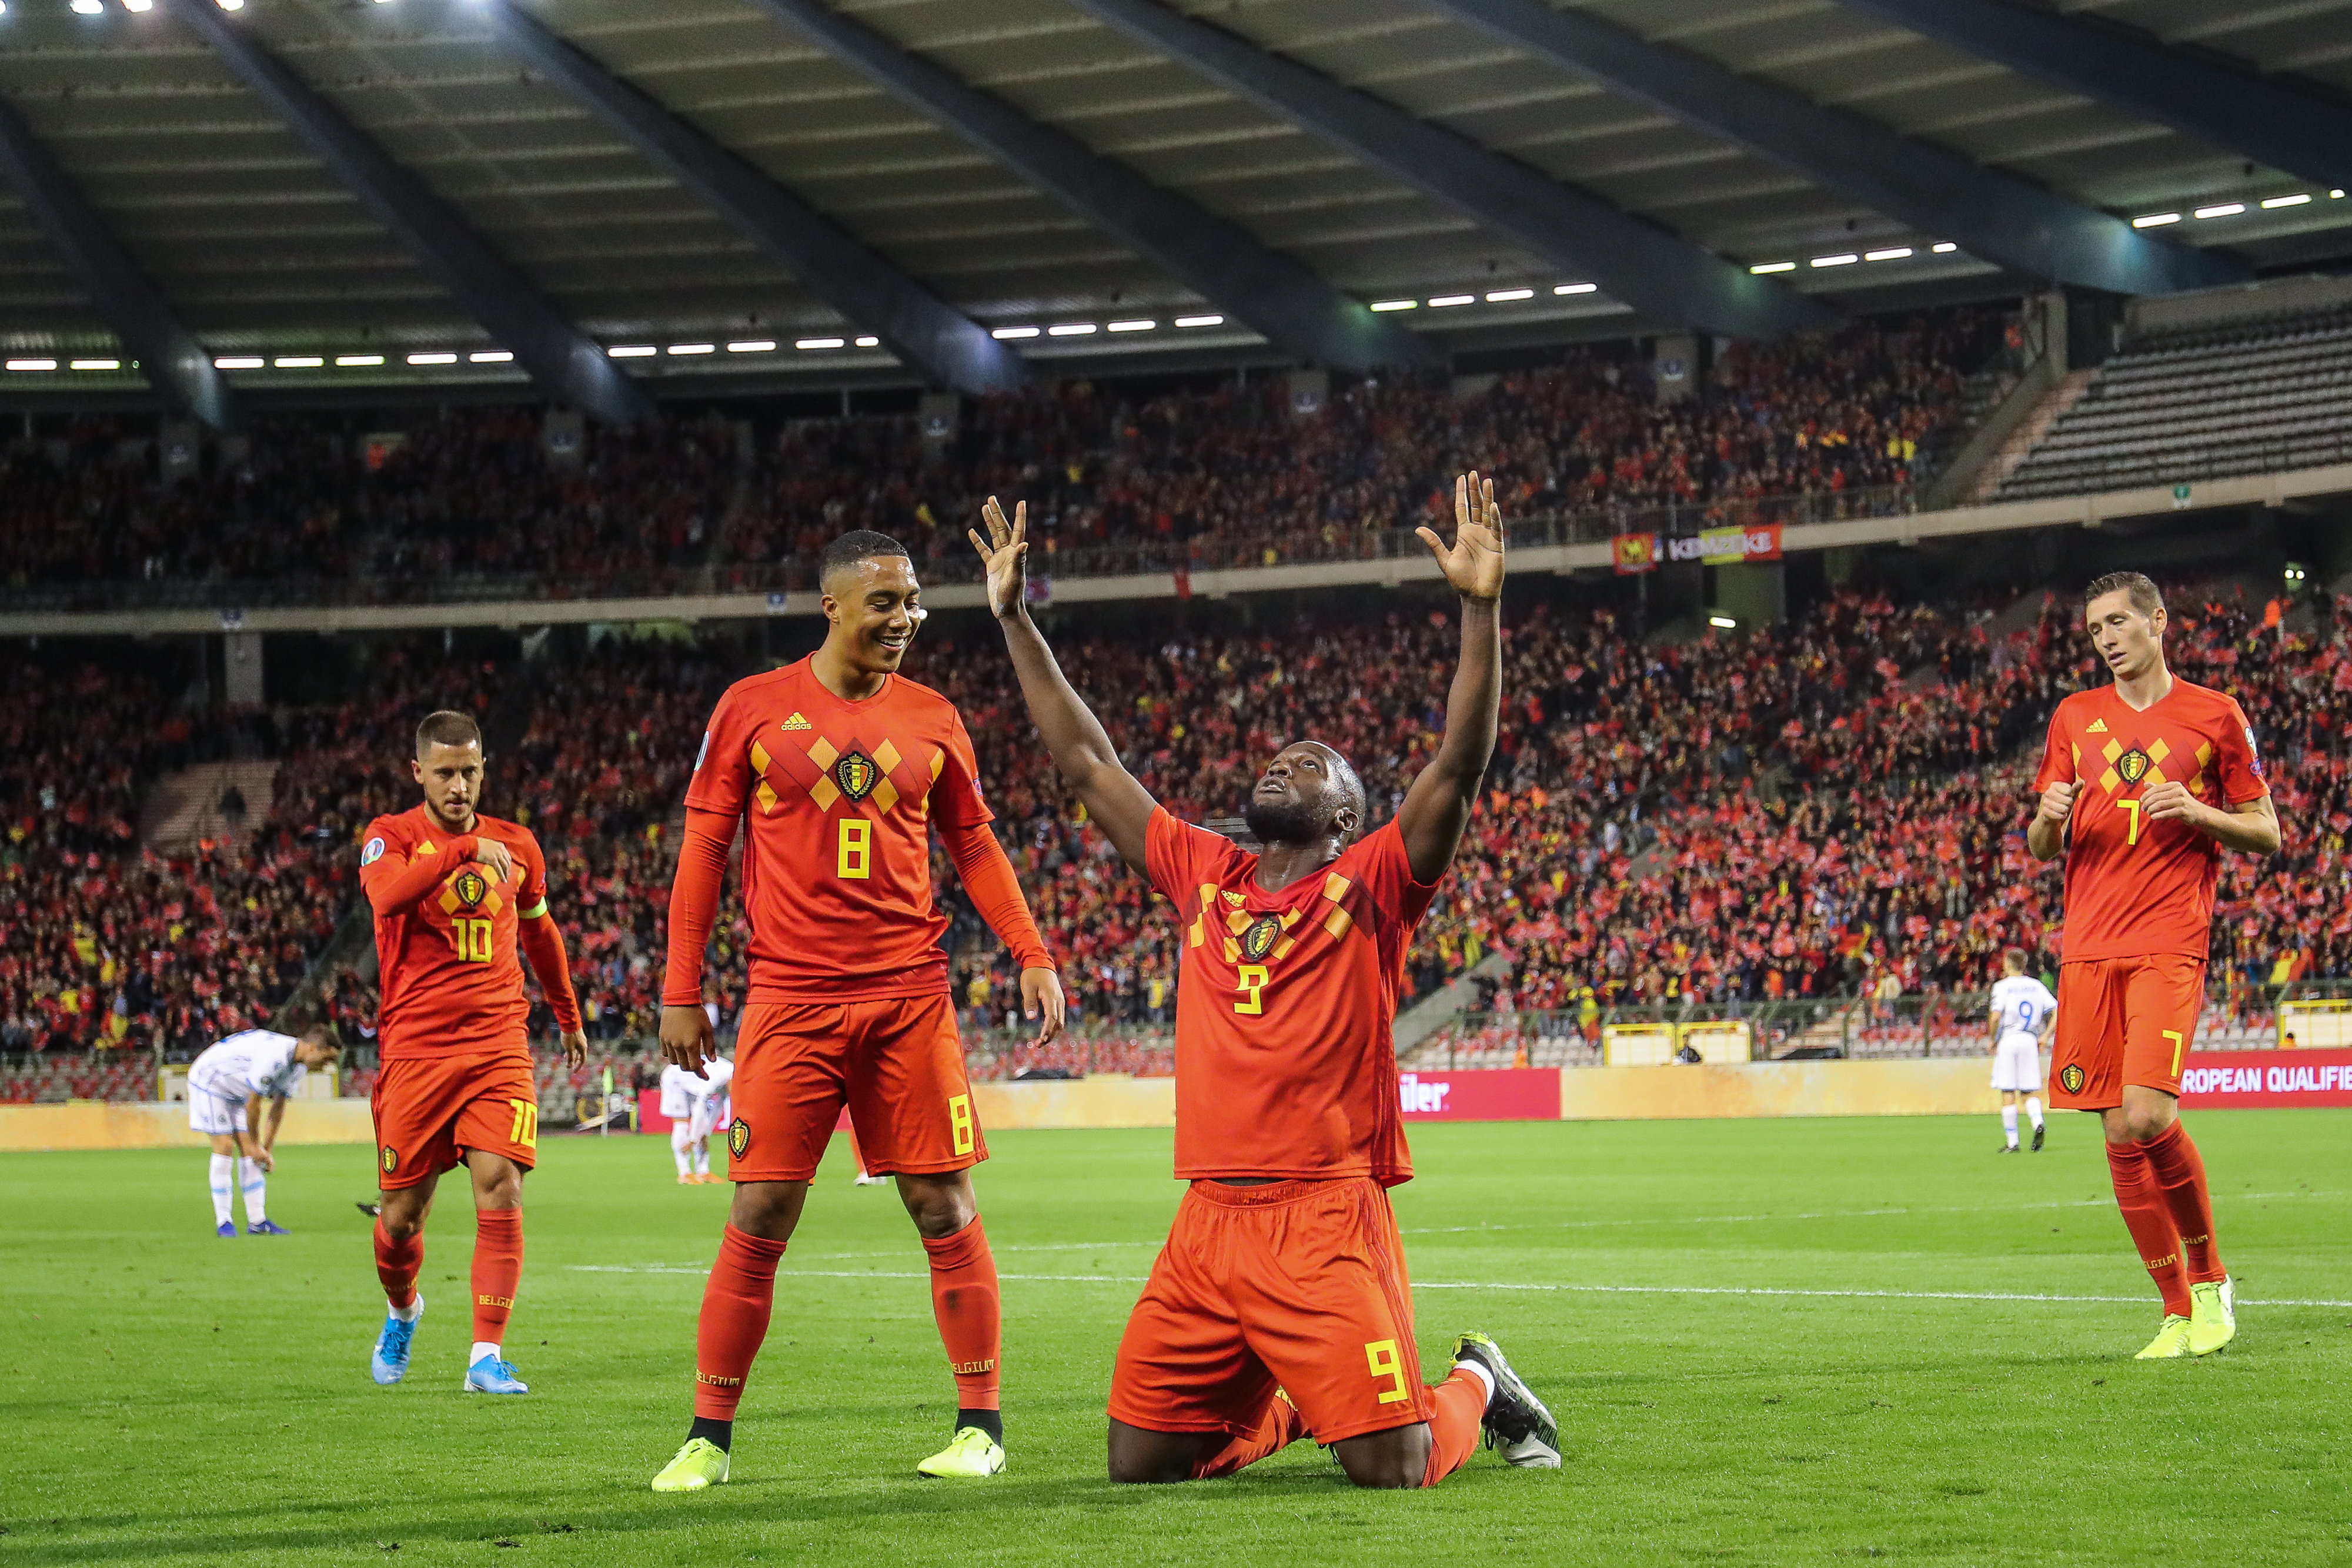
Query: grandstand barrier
point(2315, 1026)
point(1914, 1086)
point(150, 1125)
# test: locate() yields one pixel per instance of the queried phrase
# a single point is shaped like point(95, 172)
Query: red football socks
point(2179, 1172)
point(497, 1270)
point(735, 1308)
point(1454, 1425)
point(1280, 1427)
point(971, 1323)
point(2149, 1218)
point(397, 1264)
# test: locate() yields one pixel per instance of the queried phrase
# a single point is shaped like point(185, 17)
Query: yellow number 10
point(2133, 807)
point(472, 938)
point(857, 857)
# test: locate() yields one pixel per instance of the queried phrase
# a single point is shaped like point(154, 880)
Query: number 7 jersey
point(2134, 886)
point(838, 798)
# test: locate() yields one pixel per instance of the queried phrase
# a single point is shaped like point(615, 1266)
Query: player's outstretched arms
point(2045, 836)
point(2252, 828)
point(686, 1033)
point(1119, 806)
point(1437, 808)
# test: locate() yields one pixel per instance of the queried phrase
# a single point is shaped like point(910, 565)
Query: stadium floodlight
point(32, 364)
point(2334, 195)
point(98, 364)
point(821, 342)
point(1145, 325)
point(1594, 287)
point(1396, 304)
point(349, 361)
point(753, 346)
point(1072, 330)
point(1943, 247)
point(868, 343)
point(86, 7)
point(138, 5)
point(2272, 204)
point(1199, 321)
point(1446, 301)
point(438, 358)
point(693, 348)
point(1012, 334)
point(2154, 219)
point(1899, 253)
point(238, 362)
point(1505, 296)
point(1844, 259)
point(2222, 210)
point(297, 362)
point(492, 357)
point(230, 5)
point(1722, 622)
point(626, 352)
point(1761, 268)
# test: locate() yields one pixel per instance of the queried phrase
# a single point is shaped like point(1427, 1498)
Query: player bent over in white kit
point(693, 1106)
point(2023, 1014)
point(227, 1086)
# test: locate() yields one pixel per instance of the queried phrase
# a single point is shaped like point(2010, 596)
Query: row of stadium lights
point(2231, 209)
point(1847, 259)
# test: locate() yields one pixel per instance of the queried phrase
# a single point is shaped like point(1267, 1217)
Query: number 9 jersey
point(839, 798)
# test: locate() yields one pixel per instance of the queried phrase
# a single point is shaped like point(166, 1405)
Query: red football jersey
point(451, 965)
point(2134, 886)
point(1286, 1006)
point(839, 797)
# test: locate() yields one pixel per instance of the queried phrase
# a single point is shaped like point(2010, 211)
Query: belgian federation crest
point(2071, 1077)
point(857, 774)
point(1258, 940)
point(390, 1161)
point(470, 886)
point(739, 1137)
point(2133, 766)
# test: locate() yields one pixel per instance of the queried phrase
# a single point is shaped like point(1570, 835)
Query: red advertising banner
point(2263, 1079)
point(1488, 1095)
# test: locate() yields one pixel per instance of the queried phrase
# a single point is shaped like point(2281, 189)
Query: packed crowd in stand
point(503, 491)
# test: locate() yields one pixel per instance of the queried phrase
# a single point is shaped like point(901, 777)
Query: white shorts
point(706, 1115)
point(210, 1114)
point(2018, 1064)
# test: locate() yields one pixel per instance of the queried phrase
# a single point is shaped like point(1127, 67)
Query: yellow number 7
point(2133, 807)
point(2174, 1036)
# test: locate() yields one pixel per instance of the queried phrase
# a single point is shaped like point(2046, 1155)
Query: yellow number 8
point(857, 858)
point(960, 1123)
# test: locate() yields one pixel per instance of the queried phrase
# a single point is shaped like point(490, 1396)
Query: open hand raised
point(1474, 564)
point(1005, 553)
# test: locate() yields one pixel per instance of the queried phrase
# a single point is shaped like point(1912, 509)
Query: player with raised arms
point(226, 1085)
point(2144, 783)
point(461, 901)
point(1279, 1307)
point(2022, 1013)
point(839, 767)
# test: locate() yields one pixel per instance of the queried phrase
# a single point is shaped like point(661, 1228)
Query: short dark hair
point(2145, 597)
point(857, 544)
point(2013, 959)
point(1343, 774)
point(447, 728)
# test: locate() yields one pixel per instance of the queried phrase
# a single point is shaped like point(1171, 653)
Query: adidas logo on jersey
point(795, 722)
point(2098, 727)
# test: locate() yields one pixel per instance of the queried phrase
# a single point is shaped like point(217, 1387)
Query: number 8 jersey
point(2134, 886)
point(839, 798)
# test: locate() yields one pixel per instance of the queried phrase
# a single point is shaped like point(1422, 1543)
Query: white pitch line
point(1515, 1285)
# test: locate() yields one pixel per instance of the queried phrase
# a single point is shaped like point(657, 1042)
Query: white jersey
point(2023, 1005)
point(254, 1062)
point(683, 1095)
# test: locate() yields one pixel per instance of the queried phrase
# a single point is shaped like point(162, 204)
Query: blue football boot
point(227, 1232)
point(494, 1375)
point(267, 1227)
point(389, 1362)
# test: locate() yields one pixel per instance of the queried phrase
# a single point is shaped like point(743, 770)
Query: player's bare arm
point(1437, 808)
point(276, 1116)
point(2045, 836)
point(2251, 829)
point(1074, 738)
point(249, 1135)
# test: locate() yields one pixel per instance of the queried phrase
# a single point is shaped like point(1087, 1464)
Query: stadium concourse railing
point(1928, 1023)
point(956, 563)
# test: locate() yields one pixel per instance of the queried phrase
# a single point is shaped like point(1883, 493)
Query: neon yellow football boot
point(970, 1455)
point(2170, 1341)
point(2215, 1320)
point(701, 1463)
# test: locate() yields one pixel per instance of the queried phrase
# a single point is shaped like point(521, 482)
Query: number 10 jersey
point(838, 798)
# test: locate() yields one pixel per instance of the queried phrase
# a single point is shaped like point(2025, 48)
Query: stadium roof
point(959, 192)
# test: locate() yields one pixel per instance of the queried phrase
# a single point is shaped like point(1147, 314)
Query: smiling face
point(2130, 641)
point(875, 608)
point(1307, 793)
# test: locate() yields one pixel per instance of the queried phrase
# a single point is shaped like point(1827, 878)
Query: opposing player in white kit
point(2023, 1014)
point(227, 1086)
point(694, 1106)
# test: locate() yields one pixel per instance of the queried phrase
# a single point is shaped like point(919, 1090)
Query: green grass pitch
point(172, 1399)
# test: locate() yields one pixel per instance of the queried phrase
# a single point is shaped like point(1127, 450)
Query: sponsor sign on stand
point(2266, 1079)
point(1484, 1094)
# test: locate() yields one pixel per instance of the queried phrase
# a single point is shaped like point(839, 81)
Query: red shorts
point(1297, 1284)
point(429, 1110)
point(2123, 1021)
point(898, 1065)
